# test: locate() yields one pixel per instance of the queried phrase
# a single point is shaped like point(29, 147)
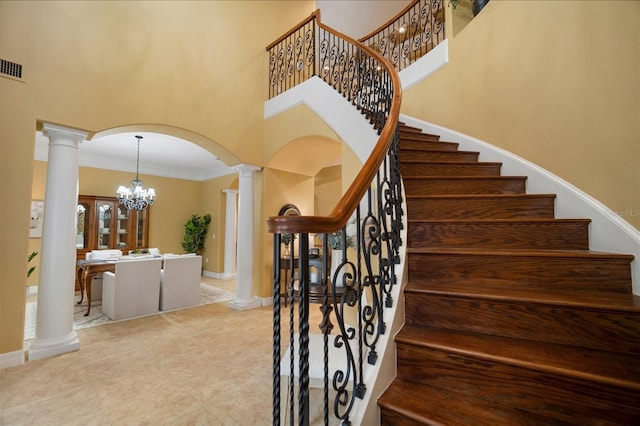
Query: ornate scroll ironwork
point(358, 292)
point(411, 35)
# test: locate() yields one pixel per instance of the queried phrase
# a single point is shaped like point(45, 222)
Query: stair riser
point(530, 272)
point(443, 169)
point(420, 137)
point(427, 145)
point(418, 155)
point(568, 399)
point(415, 131)
point(438, 186)
point(480, 208)
point(571, 325)
point(526, 235)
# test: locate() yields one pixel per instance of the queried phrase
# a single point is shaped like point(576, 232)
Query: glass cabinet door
point(122, 223)
point(141, 227)
point(82, 226)
point(105, 212)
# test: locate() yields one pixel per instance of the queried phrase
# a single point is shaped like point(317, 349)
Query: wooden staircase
point(510, 318)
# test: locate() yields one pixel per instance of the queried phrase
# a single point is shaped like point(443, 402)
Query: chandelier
point(136, 197)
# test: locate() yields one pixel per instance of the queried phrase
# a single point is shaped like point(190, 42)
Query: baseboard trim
point(12, 359)
point(219, 275)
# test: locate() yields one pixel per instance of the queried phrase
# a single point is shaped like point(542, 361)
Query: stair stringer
point(608, 232)
point(333, 108)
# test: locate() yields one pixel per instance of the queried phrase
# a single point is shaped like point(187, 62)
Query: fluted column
point(244, 279)
point(230, 238)
point(56, 289)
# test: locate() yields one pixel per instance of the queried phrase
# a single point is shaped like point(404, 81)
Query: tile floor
point(207, 365)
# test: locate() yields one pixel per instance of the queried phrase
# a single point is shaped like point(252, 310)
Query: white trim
point(12, 359)
point(219, 275)
point(425, 66)
point(266, 301)
point(333, 108)
point(44, 348)
point(607, 232)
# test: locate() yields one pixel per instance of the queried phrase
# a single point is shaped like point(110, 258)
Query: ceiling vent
point(10, 69)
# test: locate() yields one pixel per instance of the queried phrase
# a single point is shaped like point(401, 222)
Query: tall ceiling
point(160, 155)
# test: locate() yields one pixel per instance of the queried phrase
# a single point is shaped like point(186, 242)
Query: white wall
point(339, 14)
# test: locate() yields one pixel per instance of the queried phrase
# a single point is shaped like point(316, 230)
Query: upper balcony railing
point(402, 40)
point(411, 34)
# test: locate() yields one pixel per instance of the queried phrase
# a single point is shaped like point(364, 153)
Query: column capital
point(246, 169)
point(55, 131)
point(230, 191)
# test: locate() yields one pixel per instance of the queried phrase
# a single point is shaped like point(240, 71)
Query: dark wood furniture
point(85, 273)
point(285, 266)
point(102, 223)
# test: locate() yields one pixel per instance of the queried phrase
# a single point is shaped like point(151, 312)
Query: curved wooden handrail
point(389, 22)
point(314, 14)
point(339, 216)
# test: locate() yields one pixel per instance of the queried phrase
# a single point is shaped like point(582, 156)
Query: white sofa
point(133, 289)
point(180, 282)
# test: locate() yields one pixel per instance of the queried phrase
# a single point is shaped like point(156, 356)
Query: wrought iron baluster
point(276, 330)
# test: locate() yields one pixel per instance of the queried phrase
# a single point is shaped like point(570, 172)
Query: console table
point(85, 273)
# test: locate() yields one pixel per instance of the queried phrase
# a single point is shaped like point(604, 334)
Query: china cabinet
point(103, 223)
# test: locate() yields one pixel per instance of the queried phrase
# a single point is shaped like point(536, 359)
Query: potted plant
point(30, 258)
point(476, 5)
point(195, 233)
point(286, 240)
point(337, 245)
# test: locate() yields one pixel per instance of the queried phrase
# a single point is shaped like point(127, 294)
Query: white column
point(244, 280)
point(56, 290)
point(230, 237)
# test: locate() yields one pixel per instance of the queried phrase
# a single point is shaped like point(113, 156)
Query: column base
point(243, 305)
point(44, 348)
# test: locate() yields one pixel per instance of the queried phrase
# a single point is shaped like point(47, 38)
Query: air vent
point(10, 69)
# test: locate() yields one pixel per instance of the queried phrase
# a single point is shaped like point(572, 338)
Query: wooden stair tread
point(436, 151)
point(505, 291)
point(605, 367)
point(419, 403)
point(435, 178)
point(526, 253)
point(486, 196)
point(453, 163)
point(515, 221)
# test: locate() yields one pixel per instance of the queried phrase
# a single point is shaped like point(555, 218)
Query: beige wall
point(327, 190)
point(96, 65)
point(280, 188)
point(561, 91)
point(213, 201)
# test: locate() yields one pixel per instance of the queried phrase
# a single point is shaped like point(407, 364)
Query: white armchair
point(180, 282)
point(96, 282)
point(133, 290)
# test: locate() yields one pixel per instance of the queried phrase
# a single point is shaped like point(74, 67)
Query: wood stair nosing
point(564, 397)
point(599, 366)
point(440, 155)
point(428, 146)
point(603, 300)
point(578, 270)
point(406, 127)
point(497, 233)
point(571, 324)
point(453, 185)
point(411, 135)
point(450, 168)
point(407, 403)
point(496, 206)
